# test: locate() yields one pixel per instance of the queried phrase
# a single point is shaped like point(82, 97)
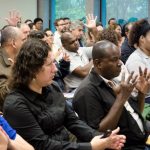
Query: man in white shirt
point(79, 60)
point(60, 26)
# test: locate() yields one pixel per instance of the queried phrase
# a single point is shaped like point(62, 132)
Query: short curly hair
point(28, 63)
point(109, 35)
point(133, 36)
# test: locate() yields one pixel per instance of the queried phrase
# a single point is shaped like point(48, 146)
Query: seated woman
point(62, 65)
point(140, 35)
point(38, 107)
point(9, 139)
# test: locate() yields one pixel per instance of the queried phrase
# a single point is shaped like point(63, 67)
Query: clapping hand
point(91, 21)
point(13, 19)
point(125, 88)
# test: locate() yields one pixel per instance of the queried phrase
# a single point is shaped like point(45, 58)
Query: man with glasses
point(67, 22)
point(61, 28)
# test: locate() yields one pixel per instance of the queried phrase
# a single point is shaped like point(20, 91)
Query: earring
point(33, 80)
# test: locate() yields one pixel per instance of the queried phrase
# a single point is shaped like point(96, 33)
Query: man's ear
point(56, 27)
point(13, 43)
point(97, 63)
point(64, 46)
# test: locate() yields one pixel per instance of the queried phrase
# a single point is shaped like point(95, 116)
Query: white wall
point(26, 8)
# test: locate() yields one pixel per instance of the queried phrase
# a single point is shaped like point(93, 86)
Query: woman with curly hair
point(140, 35)
point(39, 110)
point(116, 27)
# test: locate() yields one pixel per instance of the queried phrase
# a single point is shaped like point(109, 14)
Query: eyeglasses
point(50, 35)
point(62, 24)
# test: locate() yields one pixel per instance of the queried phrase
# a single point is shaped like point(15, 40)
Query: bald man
point(102, 105)
point(12, 39)
point(79, 61)
point(25, 29)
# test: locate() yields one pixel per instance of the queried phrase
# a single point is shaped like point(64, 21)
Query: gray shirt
point(136, 59)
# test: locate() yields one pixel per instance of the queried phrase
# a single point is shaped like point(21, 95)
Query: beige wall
point(26, 8)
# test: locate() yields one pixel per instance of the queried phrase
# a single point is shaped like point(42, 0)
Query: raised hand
point(91, 21)
point(13, 19)
point(143, 80)
point(66, 57)
point(125, 88)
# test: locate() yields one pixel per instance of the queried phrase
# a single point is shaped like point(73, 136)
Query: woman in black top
point(36, 107)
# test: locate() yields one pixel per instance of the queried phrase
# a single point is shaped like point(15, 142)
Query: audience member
point(28, 21)
point(116, 27)
point(41, 119)
point(77, 28)
point(32, 26)
point(106, 105)
point(111, 21)
point(126, 49)
point(99, 26)
point(68, 23)
point(60, 27)
point(62, 65)
point(9, 139)
point(12, 39)
point(79, 61)
point(140, 34)
point(25, 29)
point(38, 23)
point(54, 48)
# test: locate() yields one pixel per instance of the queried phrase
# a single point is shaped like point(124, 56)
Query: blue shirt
point(9, 130)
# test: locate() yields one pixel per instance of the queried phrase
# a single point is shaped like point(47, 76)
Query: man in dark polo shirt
point(102, 105)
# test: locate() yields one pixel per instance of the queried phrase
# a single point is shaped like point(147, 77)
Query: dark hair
point(66, 18)
point(31, 25)
point(110, 20)
point(27, 20)
point(7, 35)
point(37, 34)
point(125, 28)
point(37, 20)
point(133, 36)
point(56, 21)
point(113, 26)
point(110, 35)
point(99, 24)
point(47, 29)
point(28, 63)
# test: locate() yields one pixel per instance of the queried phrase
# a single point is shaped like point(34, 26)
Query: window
point(73, 9)
point(126, 10)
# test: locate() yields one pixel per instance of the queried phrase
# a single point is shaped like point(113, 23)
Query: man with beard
point(60, 26)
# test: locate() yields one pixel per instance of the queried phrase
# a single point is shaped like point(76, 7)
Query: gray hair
point(8, 34)
point(76, 24)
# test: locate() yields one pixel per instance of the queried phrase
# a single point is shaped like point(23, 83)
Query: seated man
point(67, 22)
point(105, 106)
point(12, 39)
point(9, 139)
point(79, 61)
point(77, 28)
